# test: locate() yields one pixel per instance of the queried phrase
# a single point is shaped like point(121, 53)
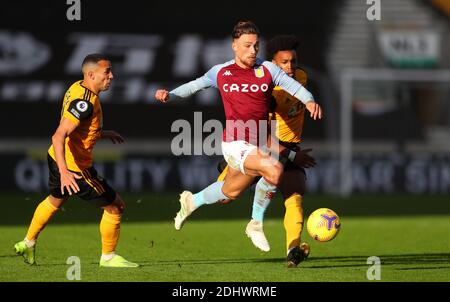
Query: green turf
point(411, 247)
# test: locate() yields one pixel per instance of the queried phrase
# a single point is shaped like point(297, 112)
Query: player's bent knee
point(273, 175)
point(225, 201)
point(56, 202)
point(120, 207)
point(116, 207)
point(231, 195)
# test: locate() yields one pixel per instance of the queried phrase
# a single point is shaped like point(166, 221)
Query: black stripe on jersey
point(85, 94)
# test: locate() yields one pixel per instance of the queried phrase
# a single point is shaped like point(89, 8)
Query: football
point(323, 225)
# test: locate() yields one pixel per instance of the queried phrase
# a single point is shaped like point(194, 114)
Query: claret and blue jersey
point(245, 93)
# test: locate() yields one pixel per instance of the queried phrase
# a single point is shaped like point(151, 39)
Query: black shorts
point(93, 188)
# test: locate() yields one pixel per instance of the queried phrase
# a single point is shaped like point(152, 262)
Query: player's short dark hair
point(244, 27)
point(94, 58)
point(280, 43)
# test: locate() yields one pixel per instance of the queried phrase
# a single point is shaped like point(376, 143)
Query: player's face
point(286, 60)
point(246, 49)
point(103, 75)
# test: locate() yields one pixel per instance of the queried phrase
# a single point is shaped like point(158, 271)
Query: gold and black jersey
point(288, 112)
point(82, 107)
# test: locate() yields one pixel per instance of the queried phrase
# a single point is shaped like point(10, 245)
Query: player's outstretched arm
point(294, 88)
point(183, 91)
point(190, 88)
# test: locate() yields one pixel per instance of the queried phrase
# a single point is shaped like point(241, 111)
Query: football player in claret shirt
point(289, 116)
point(245, 85)
point(70, 163)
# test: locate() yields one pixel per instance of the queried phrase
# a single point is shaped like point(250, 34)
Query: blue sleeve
point(192, 87)
point(291, 86)
point(209, 79)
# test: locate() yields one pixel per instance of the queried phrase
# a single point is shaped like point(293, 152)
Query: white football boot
point(255, 232)
point(186, 208)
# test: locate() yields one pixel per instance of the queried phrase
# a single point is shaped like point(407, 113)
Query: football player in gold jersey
point(289, 116)
point(70, 163)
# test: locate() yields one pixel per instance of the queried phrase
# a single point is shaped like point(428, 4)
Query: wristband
point(291, 155)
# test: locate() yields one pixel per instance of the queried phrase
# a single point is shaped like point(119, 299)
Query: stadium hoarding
point(372, 173)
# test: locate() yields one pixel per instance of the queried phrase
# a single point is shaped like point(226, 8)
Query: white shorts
point(236, 152)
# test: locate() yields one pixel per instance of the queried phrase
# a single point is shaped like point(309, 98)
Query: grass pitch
point(409, 234)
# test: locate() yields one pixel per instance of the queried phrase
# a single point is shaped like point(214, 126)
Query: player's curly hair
point(244, 27)
point(280, 43)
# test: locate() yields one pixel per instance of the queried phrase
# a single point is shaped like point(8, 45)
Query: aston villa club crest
point(259, 72)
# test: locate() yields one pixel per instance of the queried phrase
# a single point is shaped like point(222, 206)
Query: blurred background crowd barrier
point(384, 86)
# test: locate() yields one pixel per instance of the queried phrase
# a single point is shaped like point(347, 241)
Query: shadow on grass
point(328, 262)
point(209, 261)
point(425, 259)
point(395, 258)
point(430, 261)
